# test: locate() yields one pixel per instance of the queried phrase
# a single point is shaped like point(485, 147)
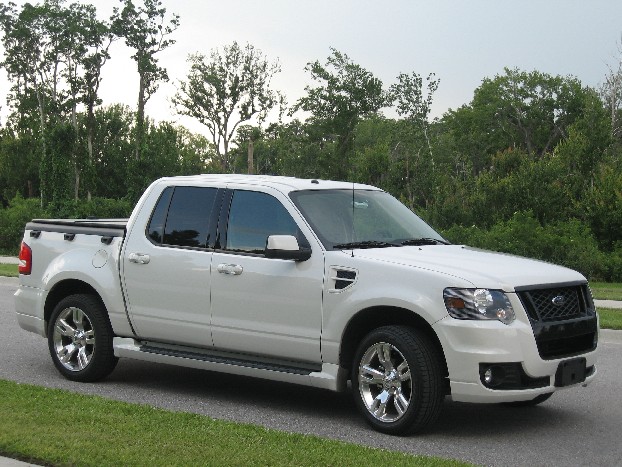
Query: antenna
point(353, 235)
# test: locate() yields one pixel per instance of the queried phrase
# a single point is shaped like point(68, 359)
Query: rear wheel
point(397, 380)
point(80, 338)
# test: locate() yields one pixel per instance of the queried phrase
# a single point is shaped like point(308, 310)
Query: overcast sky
point(460, 41)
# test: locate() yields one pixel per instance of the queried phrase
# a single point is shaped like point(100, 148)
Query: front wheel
point(80, 338)
point(397, 380)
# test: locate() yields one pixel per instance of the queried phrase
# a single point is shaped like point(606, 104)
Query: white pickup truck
point(311, 282)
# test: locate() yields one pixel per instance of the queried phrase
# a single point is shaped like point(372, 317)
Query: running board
point(328, 376)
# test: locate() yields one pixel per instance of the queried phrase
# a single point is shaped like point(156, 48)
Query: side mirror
point(286, 247)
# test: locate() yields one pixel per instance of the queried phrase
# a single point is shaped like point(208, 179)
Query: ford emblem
point(559, 300)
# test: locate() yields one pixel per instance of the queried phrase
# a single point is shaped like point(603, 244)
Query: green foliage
point(57, 167)
point(13, 219)
point(146, 31)
point(569, 243)
point(345, 94)
point(19, 211)
point(19, 164)
point(94, 208)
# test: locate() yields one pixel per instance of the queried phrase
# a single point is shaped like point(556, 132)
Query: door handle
point(139, 258)
point(232, 269)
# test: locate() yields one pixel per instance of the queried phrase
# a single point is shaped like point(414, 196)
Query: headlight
point(479, 304)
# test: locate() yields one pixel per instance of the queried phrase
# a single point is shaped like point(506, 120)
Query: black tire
point(403, 394)
point(80, 338)
point(530, 403)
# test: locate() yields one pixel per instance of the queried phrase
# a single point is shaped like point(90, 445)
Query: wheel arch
point(371, 318)
point(64, 289)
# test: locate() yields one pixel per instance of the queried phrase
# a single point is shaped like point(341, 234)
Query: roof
point(283, 184)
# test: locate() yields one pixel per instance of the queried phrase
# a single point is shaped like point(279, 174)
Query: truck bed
point(103, 227)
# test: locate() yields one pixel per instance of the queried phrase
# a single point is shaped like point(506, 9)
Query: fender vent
point(342, 278)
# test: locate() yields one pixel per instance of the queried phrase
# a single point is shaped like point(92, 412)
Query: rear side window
point(155, 229)
point(253, 217)
point(186, 221)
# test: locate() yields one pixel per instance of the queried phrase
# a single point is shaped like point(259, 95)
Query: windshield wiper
point(423, 241)
point(364, 244)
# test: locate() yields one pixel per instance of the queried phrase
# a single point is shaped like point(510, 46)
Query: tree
point(83, 43)
point(411, 102)
point(531, 111)
point(54, 55)
point(346, 93)
point(412, 160)
point(611, 93)
point(232, 87)
point(31, 62)
point(145, 30)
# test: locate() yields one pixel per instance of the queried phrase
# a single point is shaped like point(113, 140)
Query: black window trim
point(213, 221)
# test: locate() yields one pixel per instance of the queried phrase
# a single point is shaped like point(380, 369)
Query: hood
point(484, 269)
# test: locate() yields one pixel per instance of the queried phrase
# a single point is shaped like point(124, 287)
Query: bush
point(569, 243)
point(13, 219)
point(96, 207)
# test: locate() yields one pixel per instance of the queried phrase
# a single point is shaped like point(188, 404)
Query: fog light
point(493, 376)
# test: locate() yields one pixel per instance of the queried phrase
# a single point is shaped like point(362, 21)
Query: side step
point(326, 375)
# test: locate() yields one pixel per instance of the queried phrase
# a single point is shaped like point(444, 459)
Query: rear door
point(166, 266)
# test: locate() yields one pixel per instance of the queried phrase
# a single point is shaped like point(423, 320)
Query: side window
point(155, 229)
point(186, 223)
point(254, 216)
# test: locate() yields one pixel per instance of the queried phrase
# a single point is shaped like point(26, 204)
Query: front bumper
point(469, 344)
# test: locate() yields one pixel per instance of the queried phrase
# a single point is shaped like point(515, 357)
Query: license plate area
point(570, 372)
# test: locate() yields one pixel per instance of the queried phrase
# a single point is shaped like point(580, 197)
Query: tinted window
point(253, 217)
point(187, 222)
point(155, 229)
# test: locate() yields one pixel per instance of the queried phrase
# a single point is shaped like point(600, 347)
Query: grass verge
point(606, 290)
point(9, 270)
point(610, 318)
point(58, 427)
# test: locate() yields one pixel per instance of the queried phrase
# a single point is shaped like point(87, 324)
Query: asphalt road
point(580, 426)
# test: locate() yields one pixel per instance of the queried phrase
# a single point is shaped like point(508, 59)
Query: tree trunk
point(90, 136)
point(42, 175)
point(251, 163)
point(140, 118)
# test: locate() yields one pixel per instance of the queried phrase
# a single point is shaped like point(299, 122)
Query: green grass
point(606, 291)
point(9, 270)
point(610, 318)
point(58, 427)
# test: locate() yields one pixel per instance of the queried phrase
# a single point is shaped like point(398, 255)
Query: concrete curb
point(8, 260)
point(608, 303)
point(8, 462)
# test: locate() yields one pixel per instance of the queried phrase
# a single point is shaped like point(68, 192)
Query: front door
point(262, 306)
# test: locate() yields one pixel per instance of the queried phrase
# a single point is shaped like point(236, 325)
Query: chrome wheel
point(73, 339)
point(385, 383)
point(397, 379)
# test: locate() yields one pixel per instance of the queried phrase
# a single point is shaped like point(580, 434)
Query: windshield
point(344, 219)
